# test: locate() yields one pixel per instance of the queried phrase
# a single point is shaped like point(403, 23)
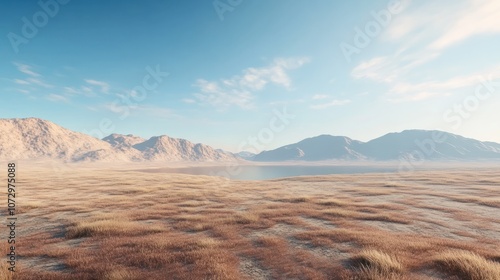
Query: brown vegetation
point(125, 224)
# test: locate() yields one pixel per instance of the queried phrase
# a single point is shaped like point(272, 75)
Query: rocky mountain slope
point(34, 138)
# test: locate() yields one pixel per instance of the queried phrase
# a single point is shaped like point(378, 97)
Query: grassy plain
point(84, 223)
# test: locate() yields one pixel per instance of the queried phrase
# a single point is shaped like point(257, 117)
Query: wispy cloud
point(34, 79)
point(57, 98)
point(401, 89)
point(446, 23)
point(104, 87)
point(33, 82)
point(71, 90)
point(79, 90)
point(38, 82)
point(222, 97)
point(406, 91)
point(21, 82)
point(423, 35)
point(239, 90)
point(480, 18)
point(332, 103)
point(22, 91)
point(387, 69)
point(26, 69)
point(327, 101)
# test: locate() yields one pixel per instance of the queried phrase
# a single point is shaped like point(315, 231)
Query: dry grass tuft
point(108, 228)
point(377, 265)
point(301, 199)
point(5, 274)
point(246, 218)
point(120, 274)
point(29, 205)
point(331, 202)
point(468, 265)
point(207, 242)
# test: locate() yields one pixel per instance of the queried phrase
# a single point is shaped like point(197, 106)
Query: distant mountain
point(120, 140)
point(318, 148)
point(432, 145)
point(38, 139)
point(34, 138)
point(164, 148)
point(408, 143)
point(246, 155)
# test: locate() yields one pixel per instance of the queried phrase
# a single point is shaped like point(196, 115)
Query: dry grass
point(108, 228)
point(120, 274)
point(377, 265)
point(468, 265)
point(116, 224)
point(5, 274)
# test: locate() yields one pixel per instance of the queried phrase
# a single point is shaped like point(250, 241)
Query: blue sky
point(360, 69)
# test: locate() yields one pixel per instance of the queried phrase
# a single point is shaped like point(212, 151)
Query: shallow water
point(265, 172)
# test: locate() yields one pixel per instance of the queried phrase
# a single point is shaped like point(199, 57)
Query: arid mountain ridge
point(33, 138)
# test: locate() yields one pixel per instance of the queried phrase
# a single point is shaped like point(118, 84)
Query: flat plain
point(105, 223)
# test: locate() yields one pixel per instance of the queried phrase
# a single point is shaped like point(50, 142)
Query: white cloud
point(405, 91)
point(70, 90)
point(224, 97)
point(34, 79)
point(320, 96)
point(329, 104)
point(388, 69)
point(21, 82)
point(57, 98)
point(87, 91)
point(480, 17)
point(38, 82)
point(104, 87)
point(82, 90)
point(442, 24)
point(26, 69)
point(113, 107)
point(423, 34)
point(22, 91)
point(238, 90)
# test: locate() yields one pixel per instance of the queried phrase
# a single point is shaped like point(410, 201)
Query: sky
point(253, 75)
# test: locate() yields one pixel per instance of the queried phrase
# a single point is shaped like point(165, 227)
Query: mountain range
point(408, 144)
point(34, 138)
